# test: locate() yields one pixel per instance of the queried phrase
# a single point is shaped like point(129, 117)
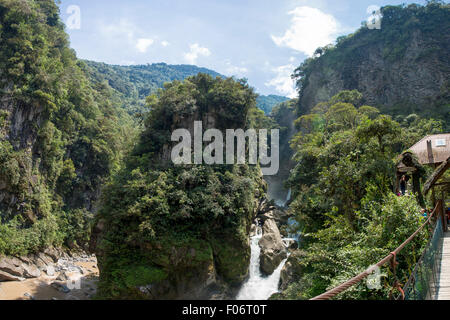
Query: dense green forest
point(379, 63)
point(60, 134)
point(85, 157)
point(343, 198)
point(346, 153)
point(174, 226)
point(133, 84)
point(267, 103)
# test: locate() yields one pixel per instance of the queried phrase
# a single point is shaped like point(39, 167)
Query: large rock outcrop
point(170, 231)
point(34, 265)
point(273, 251)
point(401, 68)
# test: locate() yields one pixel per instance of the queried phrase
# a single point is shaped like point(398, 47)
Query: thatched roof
point(433, 149)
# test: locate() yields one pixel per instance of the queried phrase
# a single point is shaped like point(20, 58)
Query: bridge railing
point(415, 286)
point(423, 283)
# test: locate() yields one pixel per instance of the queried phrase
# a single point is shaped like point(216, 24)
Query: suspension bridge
point(430, 278)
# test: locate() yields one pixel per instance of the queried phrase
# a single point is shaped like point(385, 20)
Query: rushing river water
point(258, 286)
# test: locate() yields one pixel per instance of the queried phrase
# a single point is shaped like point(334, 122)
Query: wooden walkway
point(444, 278)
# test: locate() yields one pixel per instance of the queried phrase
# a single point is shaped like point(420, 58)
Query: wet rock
point(273, 251)
point(281, 216)
point(26, 294)
point(60, 287)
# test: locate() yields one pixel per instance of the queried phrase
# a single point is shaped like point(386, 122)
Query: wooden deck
point(444, 279)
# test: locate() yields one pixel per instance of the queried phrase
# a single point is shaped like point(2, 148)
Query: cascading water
point(288, 197)
point(259, 287)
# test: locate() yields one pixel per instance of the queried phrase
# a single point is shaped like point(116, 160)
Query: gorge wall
point(401, 68)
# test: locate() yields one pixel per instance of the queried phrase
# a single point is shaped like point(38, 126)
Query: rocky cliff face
point(403, 67)
point(58, 138)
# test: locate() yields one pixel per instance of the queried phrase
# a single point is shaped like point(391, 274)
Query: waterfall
point(288, 197)
point(259, 287)
point(281, 202)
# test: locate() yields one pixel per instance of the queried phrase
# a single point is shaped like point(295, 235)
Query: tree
point(383, 128)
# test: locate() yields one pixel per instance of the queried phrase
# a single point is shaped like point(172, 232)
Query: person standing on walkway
point(403, 185)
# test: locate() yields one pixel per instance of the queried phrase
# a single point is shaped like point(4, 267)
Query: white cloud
point(143, 44)
point(165, 43)
point(232, 70)
point(282, 81)
point(122, 29)
point(310, 28)
point(196, 51)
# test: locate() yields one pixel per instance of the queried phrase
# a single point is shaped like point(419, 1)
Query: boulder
point(53, 253)
point(12, 266)
point(60, 286)
point(31, 271)
point(50, 270)
point(273, 251)
point(4, 276)
point(266, 216)
point(281, 216)
point(63, 276)
point(45, 258)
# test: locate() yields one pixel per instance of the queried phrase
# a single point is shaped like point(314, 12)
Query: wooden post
point(444, 216)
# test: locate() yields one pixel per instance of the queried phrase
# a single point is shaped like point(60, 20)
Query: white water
point(259, 287)
point(283, 203)
point(288, 197)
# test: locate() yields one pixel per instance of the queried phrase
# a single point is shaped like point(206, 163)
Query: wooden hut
point(434, 151)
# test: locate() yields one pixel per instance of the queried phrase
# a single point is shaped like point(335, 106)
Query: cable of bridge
point(344, 286)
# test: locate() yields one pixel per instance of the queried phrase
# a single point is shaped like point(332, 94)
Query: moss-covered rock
point(185, 227)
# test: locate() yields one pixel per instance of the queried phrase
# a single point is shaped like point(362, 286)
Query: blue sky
point(261, 40)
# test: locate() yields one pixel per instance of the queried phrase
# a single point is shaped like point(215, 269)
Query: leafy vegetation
point(343, 196)
point(59, 133)
point(133, 84)
point(267, 103)
point(401, 26)
point(153, 209)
